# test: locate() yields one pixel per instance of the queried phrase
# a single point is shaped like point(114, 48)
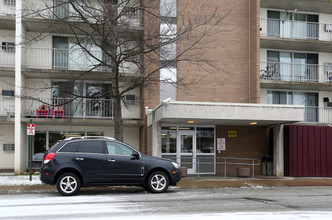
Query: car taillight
point(48, 157)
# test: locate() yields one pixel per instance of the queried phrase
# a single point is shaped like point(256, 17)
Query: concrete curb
point(189, 183)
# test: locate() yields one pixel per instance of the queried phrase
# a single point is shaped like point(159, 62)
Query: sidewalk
point(20, 184)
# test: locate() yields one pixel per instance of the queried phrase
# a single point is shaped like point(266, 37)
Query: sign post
point(30, 132)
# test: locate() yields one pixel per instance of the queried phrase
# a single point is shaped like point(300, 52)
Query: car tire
point(68, 184)
point(158, 182)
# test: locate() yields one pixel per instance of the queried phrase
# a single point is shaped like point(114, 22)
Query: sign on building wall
point(221, 144)
point(31, 129)
point(232, 134)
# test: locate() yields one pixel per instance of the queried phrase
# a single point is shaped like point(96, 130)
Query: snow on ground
point(19, 180)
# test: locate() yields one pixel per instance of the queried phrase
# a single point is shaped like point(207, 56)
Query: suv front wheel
point(158, 182)
point(68, 184)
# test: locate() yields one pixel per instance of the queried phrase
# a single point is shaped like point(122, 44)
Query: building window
point(8, 46)
point(168, 140)
point(9, 147)
point(205, 140)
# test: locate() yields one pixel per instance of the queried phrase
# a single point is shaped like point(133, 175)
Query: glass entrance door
point(187, 149)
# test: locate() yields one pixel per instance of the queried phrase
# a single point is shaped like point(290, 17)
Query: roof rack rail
point(89, 137)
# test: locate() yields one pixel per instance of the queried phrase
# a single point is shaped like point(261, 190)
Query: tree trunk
point(118, 121)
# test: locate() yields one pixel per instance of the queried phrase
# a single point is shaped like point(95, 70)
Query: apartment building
point(39, 61)
point(270, 65)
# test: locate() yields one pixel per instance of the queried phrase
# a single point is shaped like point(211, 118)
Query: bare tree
point(124, 40)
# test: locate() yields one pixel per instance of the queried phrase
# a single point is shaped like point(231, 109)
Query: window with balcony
point(292, 25)
point(68, 55)
point(97, 101)
point(307, 99)
point(291, 66)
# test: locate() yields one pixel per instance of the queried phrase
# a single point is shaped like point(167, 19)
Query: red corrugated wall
point(308, 151)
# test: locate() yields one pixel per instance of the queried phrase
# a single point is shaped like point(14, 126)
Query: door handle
point(111, 160)
point(79, 158)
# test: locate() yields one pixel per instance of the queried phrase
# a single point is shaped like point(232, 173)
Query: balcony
point(293, 72)
point(65, 59)
point(7, 106)
point(295, 35)
point(79, 108)
point(318, 114)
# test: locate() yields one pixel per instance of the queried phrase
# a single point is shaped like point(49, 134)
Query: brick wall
point(251, 142)
point(233, 79)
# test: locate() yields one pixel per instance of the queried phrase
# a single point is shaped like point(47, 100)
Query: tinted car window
point(70, 147)
point(115, 148)
point(91, 147)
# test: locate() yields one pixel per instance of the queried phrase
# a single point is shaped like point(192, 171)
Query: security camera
point(166, 101)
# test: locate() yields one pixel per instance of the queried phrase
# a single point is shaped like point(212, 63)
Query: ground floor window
point(43, 140)
point(191, 147)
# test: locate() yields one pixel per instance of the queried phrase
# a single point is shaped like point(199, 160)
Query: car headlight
point(176, 165)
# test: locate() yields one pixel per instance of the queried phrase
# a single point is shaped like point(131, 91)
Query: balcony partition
point(7, 56)
point(296, 29)
point(295, 72)
point(7, 105)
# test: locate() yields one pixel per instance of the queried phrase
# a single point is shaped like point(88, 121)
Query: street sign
point(31, 129)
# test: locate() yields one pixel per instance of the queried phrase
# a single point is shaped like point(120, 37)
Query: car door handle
point(111, 160)
point(79, 158)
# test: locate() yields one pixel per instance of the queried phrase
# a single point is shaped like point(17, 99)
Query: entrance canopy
point(211, 113)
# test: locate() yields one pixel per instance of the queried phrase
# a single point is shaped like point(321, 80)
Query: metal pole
point(253, 169)
point(225, 161)
point(30, 154)
point(197, 159)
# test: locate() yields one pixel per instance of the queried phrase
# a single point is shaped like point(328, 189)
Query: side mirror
point(135, 155)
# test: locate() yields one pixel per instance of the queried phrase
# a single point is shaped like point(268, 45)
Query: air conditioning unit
point(130, 97)
point(329, 104)
point(328, 28)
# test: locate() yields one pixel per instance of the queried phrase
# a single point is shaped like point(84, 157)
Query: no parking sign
point(31, 129)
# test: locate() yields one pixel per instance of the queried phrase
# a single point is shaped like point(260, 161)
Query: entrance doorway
point(191, 147)
point(187, 150)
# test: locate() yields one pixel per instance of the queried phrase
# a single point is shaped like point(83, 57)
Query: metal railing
point(66, 59)
point(7, 105)
point(318, 114)
point(82, 108)
point(200, 162)
point(295, 72)
point(296, 29)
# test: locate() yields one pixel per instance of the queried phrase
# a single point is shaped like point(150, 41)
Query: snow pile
point(19, 180)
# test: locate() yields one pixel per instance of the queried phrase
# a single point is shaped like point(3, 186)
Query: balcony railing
point(296, 29)
point(66, 59)
point(80, 108)
point(7, 56)
point(7, 106)
point(7, 7)
point(318, 114)
point(296, 72)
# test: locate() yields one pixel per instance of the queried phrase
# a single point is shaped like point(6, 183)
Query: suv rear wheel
point(158, 182)
point(68, 184)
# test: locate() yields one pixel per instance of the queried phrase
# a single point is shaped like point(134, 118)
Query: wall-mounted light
point(253, 123)
point(190, 122)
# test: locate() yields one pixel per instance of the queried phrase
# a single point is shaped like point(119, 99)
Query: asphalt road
point(135, 203)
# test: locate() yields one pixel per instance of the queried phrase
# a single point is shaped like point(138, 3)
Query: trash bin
point(267, 165)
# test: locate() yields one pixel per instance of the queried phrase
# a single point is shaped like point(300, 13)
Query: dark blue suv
point(103, 161)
